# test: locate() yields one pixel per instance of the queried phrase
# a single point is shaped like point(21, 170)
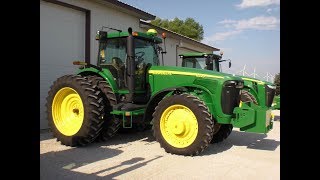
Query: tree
point(277, 83)
point(188, 27)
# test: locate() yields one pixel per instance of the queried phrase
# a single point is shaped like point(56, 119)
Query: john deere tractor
point(128, 86)
point(259, 92)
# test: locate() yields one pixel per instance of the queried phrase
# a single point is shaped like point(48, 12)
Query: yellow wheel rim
point(67, 111)
point(179, 126)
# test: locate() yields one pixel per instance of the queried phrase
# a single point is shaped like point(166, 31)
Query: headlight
point(271, 87)
point(239, 85)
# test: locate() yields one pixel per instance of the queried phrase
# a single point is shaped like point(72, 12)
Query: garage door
point(62, 40)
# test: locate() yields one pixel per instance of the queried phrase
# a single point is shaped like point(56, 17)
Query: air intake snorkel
point(130, 75)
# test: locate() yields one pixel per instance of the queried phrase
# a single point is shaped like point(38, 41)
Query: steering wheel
point(139, 56)
point(142, 54)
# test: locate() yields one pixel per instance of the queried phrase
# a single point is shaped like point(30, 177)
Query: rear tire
point(75, 110)
point(182, 124)
point(111, 124)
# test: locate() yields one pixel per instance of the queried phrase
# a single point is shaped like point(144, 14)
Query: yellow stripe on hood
point(165, 72)
point(254, 80)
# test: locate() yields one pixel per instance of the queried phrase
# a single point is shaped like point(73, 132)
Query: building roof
point(196, 54)
point(179, 36)
point(128, 9)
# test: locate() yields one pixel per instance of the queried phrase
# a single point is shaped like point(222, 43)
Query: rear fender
point(105, 74)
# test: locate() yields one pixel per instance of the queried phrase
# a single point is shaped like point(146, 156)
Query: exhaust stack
point(130, 75)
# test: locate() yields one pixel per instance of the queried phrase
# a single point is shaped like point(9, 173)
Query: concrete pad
point(138, 156)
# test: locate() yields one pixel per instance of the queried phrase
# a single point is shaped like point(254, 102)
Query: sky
point(247, 31)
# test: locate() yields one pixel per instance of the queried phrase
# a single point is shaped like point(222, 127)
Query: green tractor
point(185, 106)
point(252, 86)
point(259, 92)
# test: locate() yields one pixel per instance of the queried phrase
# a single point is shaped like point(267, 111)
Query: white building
point(68, 29)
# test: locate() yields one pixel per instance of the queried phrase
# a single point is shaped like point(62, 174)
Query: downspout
point(177, 54)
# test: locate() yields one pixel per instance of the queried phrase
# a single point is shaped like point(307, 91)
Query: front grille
point(270, 92)
point(230, 96)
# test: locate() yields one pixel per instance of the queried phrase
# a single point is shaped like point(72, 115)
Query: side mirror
point(102, 36)
point(229, 64)
point(159, 49)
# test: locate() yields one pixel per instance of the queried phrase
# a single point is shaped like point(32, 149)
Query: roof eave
point(128, 9)
point(190, 40)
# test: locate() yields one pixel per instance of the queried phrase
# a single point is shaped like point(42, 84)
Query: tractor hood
point(256, 80)
point(251, 79)
point(173, 70)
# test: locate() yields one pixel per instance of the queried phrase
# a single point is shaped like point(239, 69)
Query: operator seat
point(117, 63)
point(117, 68)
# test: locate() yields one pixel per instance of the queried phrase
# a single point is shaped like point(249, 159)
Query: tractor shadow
point(128, 169)
point(238, 138)
point(63, 164)
point(45, 134)
point(126, 137)
point(59, 164)
point(81, 164)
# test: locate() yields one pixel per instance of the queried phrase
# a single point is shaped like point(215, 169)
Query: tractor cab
point(128, 56)
point(207, 61)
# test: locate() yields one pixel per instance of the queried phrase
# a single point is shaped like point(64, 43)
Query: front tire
point(246, 96)
point(182, 124)
point(75, 110)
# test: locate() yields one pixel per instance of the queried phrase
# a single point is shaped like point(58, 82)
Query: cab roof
point(137, 34)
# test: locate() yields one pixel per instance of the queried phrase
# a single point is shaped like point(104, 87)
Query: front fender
point(156, 98)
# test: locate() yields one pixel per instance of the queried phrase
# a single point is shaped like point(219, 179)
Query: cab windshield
point(113, 56)
point(146, 52)
point(114, 51)
point(199, 63)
